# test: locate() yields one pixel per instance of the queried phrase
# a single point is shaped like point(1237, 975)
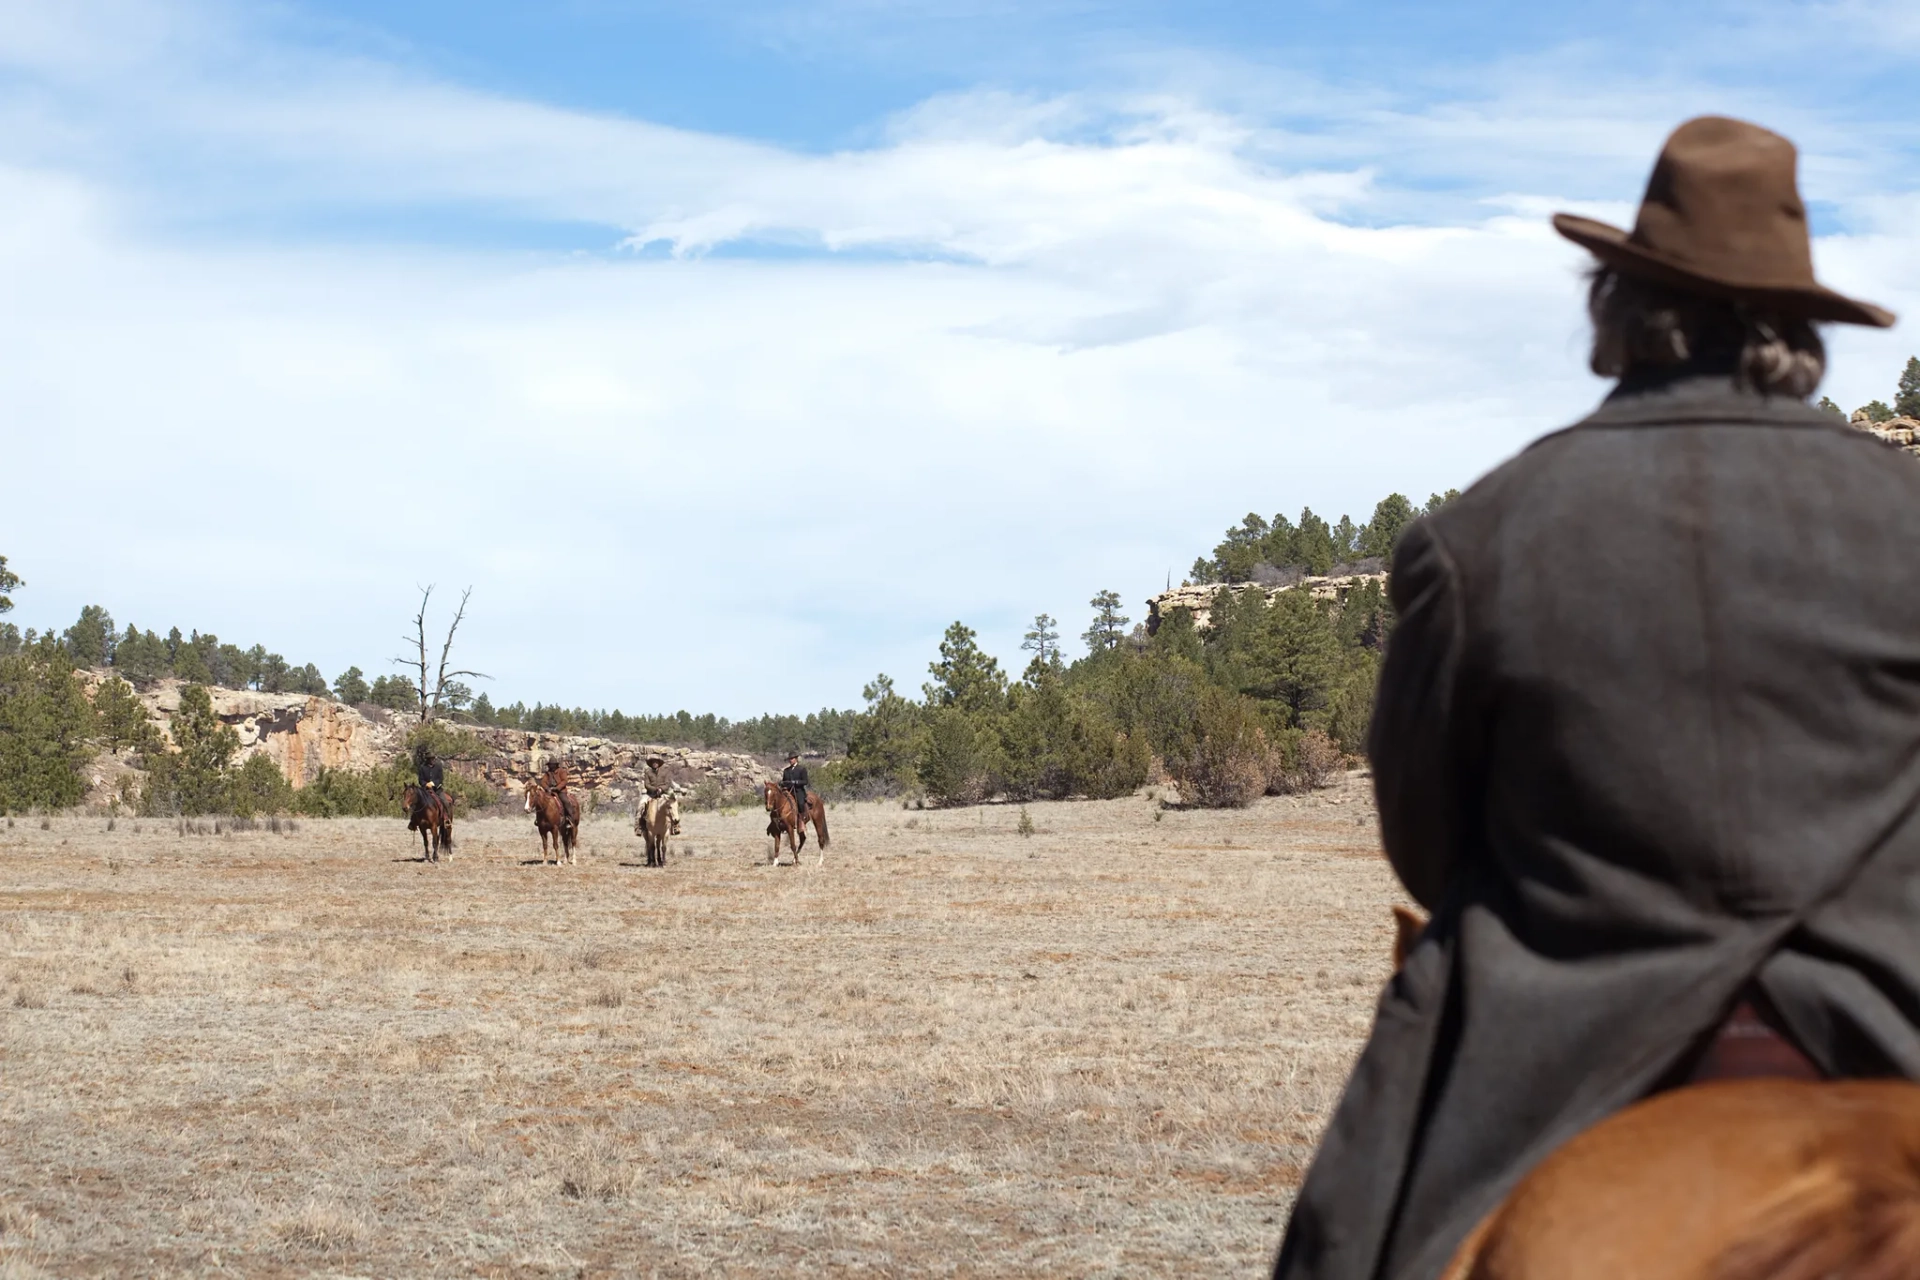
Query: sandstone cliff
point(1902, 433)
point(1199, 600)
point(303, 735)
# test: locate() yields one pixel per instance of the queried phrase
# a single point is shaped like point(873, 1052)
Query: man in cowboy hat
point(656, 784)
point(1647, 738)
point(794, 779)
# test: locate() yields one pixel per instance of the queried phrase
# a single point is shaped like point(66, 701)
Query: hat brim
point(1614, 247)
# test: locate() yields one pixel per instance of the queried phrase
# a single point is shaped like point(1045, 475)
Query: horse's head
point(533, 788)
point(772, 789)
point(409, 799)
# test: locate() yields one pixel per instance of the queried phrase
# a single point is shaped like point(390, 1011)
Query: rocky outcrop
point(514, 757)
point(1199, 599)
point(1901, 433)
point(302, 735)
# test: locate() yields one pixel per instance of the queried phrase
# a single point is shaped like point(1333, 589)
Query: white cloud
point(1053, 345)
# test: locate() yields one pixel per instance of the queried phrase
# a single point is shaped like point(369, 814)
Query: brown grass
point(1103, 1049)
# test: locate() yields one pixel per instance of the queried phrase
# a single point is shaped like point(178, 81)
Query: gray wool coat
point(1648, 728)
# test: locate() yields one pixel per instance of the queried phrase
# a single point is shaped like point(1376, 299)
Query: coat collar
point(1693, 396)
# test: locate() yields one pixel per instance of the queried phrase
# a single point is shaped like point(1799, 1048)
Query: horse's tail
point(820, 821)
point(1848, 1219)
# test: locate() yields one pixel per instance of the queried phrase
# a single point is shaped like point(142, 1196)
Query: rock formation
point(303, 734)
point(1901, 433)
point(1199, 599)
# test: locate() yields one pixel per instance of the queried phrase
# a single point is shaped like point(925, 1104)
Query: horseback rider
point(431, 776)
point(555, 780)
point(657, 786)
point(794, 779)
point(1644, 736)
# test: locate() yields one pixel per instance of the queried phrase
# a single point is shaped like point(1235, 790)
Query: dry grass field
point(1103, 1049)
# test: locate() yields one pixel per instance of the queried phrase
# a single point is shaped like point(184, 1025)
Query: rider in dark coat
point(794, 779)
point(427, 771)
point(555, 780)
point(1647, 738)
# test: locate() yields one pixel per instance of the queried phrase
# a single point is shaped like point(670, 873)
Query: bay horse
point(552, 821)
point(783, 819)
point(1761, 1178)
point(657, 822)
point(430, 812)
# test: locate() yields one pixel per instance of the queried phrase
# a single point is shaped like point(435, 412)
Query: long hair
point(1639, 325)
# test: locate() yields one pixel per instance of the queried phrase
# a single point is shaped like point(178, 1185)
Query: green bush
point(958, 762)
point(257, 787)
point(1230, 763)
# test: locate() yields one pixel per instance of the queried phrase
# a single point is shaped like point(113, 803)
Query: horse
point(1761, 1178)
point(657, 822)
point(551, 820)
point(431, 814)
point(783, 819)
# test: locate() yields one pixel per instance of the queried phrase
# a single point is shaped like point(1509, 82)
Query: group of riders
point(433, 803)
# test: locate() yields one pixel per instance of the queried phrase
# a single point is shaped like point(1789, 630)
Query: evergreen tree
point(45, 724)
point(1043, 639)
point(121, 716)
point(9, 582)
point(257, 787)
point(885, 745)
point(351, 687)
point(958, 759)
point(1346, 538)
point(1875, 410)
point(1827, 405)
point(396, 693)
point(965, 677)
point(1392, 514)
point(10, 641)
point(91, 638)
point(1906, 403)
point(1436, 501)
point(1313, 547)
point(141, 656)
point(1109, 624)
point(192, 778)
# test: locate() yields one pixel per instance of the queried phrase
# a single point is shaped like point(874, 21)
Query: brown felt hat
point(1722, 216)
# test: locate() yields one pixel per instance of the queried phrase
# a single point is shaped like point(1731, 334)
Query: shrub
point(958, 761)
point(258, 787)
point(1230, 761)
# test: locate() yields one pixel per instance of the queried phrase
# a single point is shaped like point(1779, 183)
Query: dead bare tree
point(430, 703)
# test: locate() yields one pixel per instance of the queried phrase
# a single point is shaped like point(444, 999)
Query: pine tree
point(1876, 411)
point(91, 638)
point(9, 581)
point(1827, 405)
point(1043, 640)
point(1906, 403)
point(965, 677)
point(1392, 514)
point(192, 778)
point(350, 686)
point(1109, 624)
point(121, 716)
point(45, 725)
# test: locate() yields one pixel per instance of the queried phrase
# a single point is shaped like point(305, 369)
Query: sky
point(731, 352)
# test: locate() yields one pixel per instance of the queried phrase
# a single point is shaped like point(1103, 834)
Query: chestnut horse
point(551, 820)
point(783, 819)
point(430, 812)
point(1766, 1178)
point(657, 822)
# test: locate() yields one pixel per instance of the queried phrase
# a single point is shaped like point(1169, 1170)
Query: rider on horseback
point(794, 779)
point(1644, 737)
point(431, 776)
point(555, 780)
point(657, 786)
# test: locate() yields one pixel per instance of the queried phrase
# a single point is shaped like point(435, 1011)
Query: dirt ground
point(1102, 1049)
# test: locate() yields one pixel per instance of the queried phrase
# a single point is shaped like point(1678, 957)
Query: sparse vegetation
point(312, 1057)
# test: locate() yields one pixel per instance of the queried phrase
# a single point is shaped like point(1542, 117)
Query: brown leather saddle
point(1753, 1041)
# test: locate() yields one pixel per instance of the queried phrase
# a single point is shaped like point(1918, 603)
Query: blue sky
point(732, 351)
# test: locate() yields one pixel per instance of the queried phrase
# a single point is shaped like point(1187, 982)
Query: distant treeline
point(1258, 550)
point(142, 657)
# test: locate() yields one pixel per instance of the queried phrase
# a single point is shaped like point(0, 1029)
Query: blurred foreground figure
point(1647, 738)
